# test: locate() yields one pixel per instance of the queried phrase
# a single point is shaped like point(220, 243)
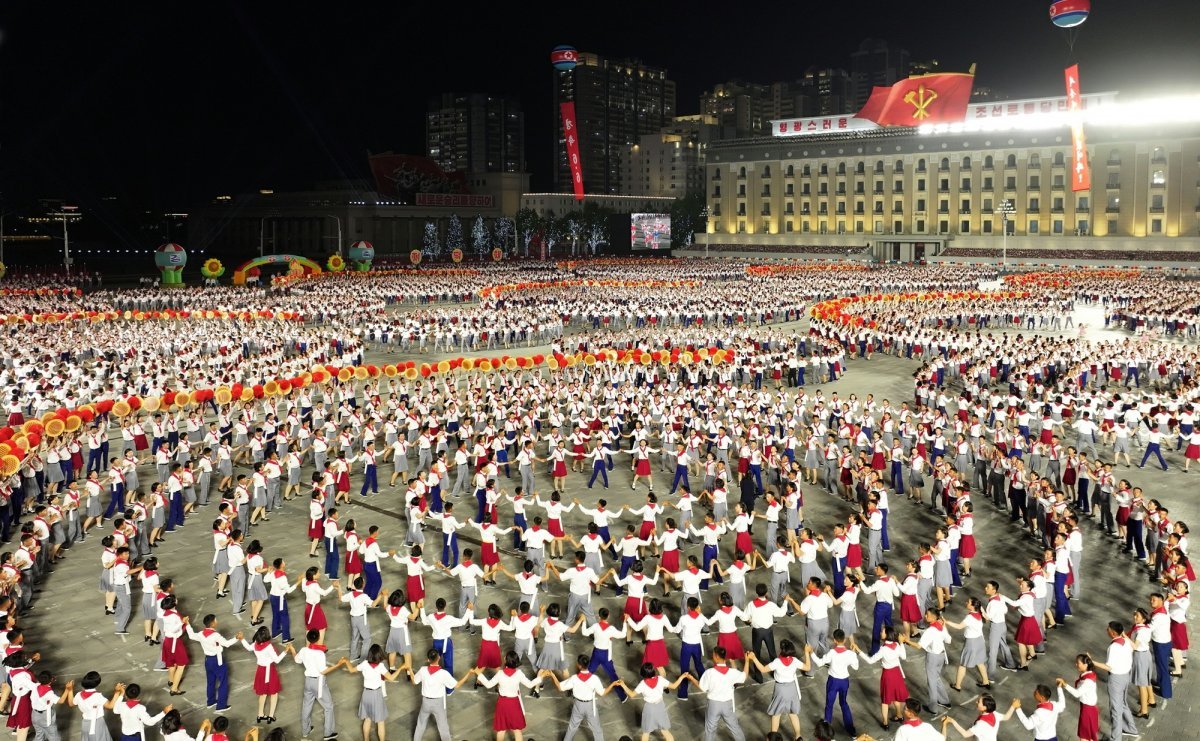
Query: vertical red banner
point(571, 137)
point(1081, 172)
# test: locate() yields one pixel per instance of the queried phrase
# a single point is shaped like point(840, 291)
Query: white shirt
point(434, 683)
point(719, 682)
point(1044, 720)
point(840, 661)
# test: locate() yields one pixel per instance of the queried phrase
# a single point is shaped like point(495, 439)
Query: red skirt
point(854, 556)
point(22, 713)
point(16, 419)
point(555, 528)
point(490, 557)
point(342, 482)
point(846, 477)
point(314, 618)
point(1047, 436)
point(743, 542)
point(174, 652)
point(489, 655)
point(910, 609)
point(1029, 632)
point(892, 687)
point(966, 547)
point(1192, 452)
point(656, 653)
point(646, 530)
point(877, 462)
point(642, 467)
point(1069, 476)
point(316, 529)
point(353, 563)
point(1122, 516)
point(77, 461)
point(578, 451)
point(743, 466)
point(140, 442)
point(1179, 636)
point(266, 680)
point(670, 561)
point(734, 651)
point(415, 586)
point(510, 716)
point(560, 469)
point(635, 608)
point(1089, 723)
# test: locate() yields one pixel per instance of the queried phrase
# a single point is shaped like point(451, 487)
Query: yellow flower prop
point(335, 263)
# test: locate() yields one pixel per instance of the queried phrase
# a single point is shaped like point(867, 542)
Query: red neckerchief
point(989, 718)
point(914, 723)
point(1045, 706)
point(1084, 677)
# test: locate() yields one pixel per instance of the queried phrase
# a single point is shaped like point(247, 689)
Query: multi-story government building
point(908, 192)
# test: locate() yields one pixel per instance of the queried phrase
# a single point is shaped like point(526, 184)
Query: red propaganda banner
point(925, 99)
point(571, 136)
point(1081, 172)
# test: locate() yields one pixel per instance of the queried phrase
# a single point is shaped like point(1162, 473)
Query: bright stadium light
point(1168, 110)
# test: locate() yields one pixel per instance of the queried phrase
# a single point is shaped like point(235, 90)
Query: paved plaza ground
point(68, 625)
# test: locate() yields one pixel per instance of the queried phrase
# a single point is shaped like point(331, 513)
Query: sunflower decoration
point(212, 268)
point(335, 263)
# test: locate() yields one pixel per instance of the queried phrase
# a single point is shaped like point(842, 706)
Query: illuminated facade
point(949, 185)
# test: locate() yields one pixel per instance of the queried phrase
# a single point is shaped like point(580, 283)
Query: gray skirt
point(92, 507)
point(592, 559)
point(149, 606)
point(848, 622)
point(260, 498)
point(553, 657)
point(58, 536)
point(372, 706)
point(414, 535)
point(189, 495)
point(225, 467)
point(132, 482)
point(1143, 669)
point(655, 718)
point(974, 652)
point(106, 584)
point(811, 460)
point(221, 562)
point(809, 571)
point(785, 701)
point(158, 517)
point(293, 477)
point(54, 473)
point(257, 591)
point(397, 641)
point(941, 574)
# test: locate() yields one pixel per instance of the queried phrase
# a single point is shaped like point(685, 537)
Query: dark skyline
point(167, 108)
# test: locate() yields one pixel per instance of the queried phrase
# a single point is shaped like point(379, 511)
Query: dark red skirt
point(635, 608)
point(734, 651)
point(966, 547)
point(646, 530)
point(174, 652)
point(555, 528)
point(1029, 632)
point(22, 713)
point(877, 462)
point(670, 561)
point(642, 467)
point(1179, 636)
point(892, 687)
point(509, 715)
point(264, 683)
point(656, 653)
point(316, 529)
point(743, 542)
point(490, 557)
point(416, 588)
point(314, 618)
point(743, 466)
point(489, 655)
point(854, 556)
point(1089, 723)
point(910, 609)
point(140, 442)
point(353, 563)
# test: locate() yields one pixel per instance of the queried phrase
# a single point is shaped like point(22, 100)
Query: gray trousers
point(460, 482)
point(527, 479)
point(1076, 559)
point(360, 637)
point(316, 689)
point(237, 589)
point(467, 595)
point(579, 603)
point(580, 712)
point(779, 585)
point(203, 483)
point(436, 707)
point(122, 606)
point(1120, 717)
point(43, 729)
point(874, 548)
point(817, 635)
point(934, 663)
point(721, 711)
point(997, 648)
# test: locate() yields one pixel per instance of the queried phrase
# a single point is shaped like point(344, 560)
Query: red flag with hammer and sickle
point(925, 99)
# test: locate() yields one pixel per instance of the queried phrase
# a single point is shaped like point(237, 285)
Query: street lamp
point(339, 236)
point(67, 214)
point(704, 217)
point(1006, 209)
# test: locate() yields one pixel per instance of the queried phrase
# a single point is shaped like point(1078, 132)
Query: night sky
point(168, 108)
